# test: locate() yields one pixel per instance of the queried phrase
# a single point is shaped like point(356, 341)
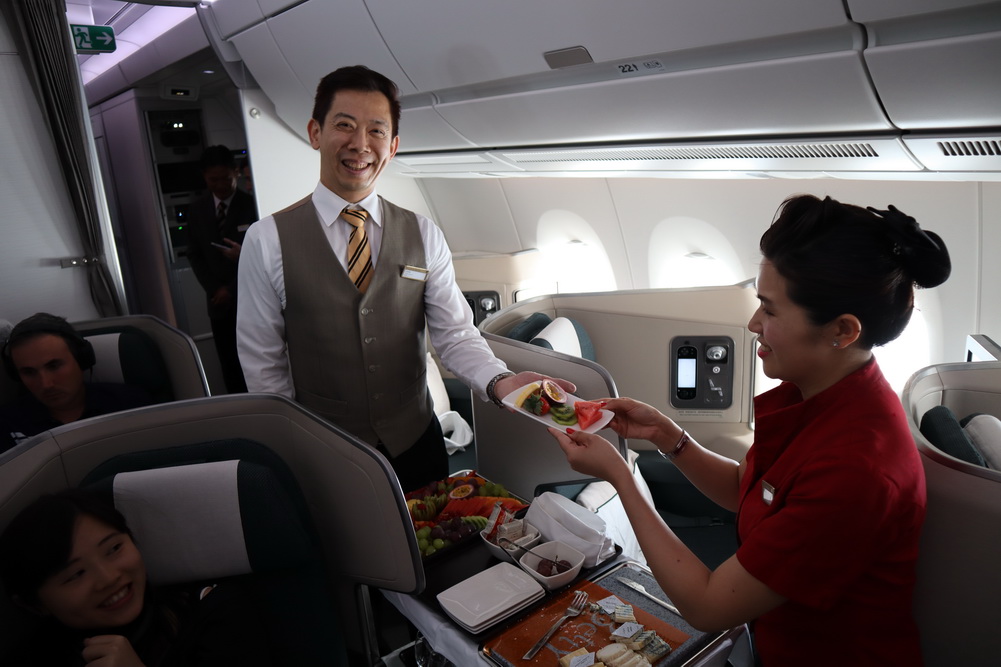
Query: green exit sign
point(93, 38)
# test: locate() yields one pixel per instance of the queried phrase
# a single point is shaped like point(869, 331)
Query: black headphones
point(44, 323)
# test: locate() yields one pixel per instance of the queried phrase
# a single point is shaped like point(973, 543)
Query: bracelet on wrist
point(492, 386)
point(678, 448)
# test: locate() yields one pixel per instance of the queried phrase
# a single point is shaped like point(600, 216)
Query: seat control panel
point(701, 372)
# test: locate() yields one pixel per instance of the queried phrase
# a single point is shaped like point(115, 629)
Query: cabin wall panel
point(990, 268)
point(38, 227)
point(474, 214)
point(285, 167)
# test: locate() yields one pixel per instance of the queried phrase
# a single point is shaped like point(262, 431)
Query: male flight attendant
point(333, 303)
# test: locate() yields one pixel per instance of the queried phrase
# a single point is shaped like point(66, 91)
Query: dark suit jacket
point(211, 267)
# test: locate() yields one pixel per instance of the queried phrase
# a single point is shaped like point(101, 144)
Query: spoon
point(557, 568)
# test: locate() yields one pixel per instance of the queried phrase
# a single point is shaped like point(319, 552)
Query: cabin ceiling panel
point(292, 99)
point(474, 215)
point(771, 98)
point(448, 43)
point(423, 129)
point(940, 84)
point(318, 37)
point(880, 10)
point(232, 16)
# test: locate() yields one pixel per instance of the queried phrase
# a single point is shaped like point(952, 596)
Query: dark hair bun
point(922, 253)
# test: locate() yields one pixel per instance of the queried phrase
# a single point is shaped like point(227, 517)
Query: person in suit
point(216, 229)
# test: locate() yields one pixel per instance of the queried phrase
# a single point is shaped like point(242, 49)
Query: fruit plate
point(454, 510)
point(511, 401)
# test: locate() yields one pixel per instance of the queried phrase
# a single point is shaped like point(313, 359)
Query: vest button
point(365, 311)
point(373, 368)
point(376, 397)
point(370, 339)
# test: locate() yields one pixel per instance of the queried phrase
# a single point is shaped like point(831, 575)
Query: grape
point(422, 544)
point(430, 550)
point(438, 543)
point(424, 532)
point(437, 533)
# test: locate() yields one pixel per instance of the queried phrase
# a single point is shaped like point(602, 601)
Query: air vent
point(735, 152)
point(970, 148)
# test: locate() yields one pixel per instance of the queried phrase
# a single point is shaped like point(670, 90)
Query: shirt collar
point(329, 205)
point(228, 200)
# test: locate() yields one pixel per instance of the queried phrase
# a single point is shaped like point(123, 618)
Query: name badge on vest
point(414, 273)
point(767, 492)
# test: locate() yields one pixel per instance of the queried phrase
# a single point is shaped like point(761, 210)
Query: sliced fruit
point(588, 412)
point(462, 491)
point(553, 392)
point(536, 404)
point(563, 415)
point(526, 391)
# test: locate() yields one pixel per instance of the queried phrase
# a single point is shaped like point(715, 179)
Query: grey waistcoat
point(357, 360)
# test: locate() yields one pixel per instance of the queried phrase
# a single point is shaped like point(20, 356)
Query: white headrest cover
point(186, 520)
point(562, 336)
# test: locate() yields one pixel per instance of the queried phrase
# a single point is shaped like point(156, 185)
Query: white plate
point(605, 416)
point(508, 613)
point(488, 594)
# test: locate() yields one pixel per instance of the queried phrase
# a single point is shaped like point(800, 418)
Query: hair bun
point(922, 253)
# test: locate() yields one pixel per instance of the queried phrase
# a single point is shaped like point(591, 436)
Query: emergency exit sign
point(93, 38)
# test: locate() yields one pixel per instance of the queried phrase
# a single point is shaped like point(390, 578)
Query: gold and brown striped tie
point(359, 253)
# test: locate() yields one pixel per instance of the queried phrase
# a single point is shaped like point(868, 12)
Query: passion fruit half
point(553, 392)
point(463, 491)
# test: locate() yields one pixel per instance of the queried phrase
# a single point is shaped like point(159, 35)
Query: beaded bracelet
point(678, 448)
point(492, 384)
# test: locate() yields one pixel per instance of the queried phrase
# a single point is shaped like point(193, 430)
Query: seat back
point(145, 351)
point(238, 520)
point(349, 490)
point(958, 590)
point(518, 452)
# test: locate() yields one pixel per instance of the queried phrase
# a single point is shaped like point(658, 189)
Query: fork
point(576, 606)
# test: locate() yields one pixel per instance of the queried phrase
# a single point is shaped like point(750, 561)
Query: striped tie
point(359, 253)
point(220, 216)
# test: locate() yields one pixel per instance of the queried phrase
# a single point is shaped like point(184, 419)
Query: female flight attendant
point(831, 496)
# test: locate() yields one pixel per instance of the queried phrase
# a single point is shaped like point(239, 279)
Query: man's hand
point(221, 296)
point(509, 384)
point(231, 253)
point(110, 651)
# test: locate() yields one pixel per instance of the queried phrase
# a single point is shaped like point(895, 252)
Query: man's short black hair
point(355, 77)
point(217, 156)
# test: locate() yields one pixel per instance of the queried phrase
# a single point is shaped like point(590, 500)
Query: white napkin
point(560, 519)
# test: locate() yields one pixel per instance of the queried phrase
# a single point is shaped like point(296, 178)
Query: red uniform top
point(831, 507)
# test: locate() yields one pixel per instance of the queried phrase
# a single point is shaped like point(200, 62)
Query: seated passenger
point(70, 558)
point(831, 495)
point(46, 355)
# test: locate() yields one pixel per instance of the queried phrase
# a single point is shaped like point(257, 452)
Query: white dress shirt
point(261, 299)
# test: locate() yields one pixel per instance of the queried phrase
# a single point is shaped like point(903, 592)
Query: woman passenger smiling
point(70, 558)
point(830, 498)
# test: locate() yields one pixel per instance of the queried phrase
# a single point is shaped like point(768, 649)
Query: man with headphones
point(49, 358)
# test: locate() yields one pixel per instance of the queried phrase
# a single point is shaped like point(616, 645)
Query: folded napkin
point(562, 520)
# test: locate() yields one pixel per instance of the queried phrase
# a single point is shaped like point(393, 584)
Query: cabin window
point(910, 352)
point(573, 257)
point(688, 252)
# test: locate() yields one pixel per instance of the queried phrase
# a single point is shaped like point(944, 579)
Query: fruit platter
point(547, 402)
point(454, 510)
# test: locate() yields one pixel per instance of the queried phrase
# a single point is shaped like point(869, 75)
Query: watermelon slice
point(588, 412)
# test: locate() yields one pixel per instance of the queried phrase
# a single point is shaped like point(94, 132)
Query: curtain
point(45, 41)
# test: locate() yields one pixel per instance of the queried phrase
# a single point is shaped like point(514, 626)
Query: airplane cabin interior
point(602, 173)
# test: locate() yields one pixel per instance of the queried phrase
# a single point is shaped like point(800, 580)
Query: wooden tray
point(591, 630)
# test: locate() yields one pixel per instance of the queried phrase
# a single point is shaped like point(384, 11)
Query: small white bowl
point(555, 551)
point(508, 553)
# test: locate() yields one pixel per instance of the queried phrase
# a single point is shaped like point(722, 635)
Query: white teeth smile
point(117, 597)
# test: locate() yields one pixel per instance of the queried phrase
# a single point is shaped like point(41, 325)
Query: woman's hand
point(110, 651)
point(636, 420)
point(592, 455)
